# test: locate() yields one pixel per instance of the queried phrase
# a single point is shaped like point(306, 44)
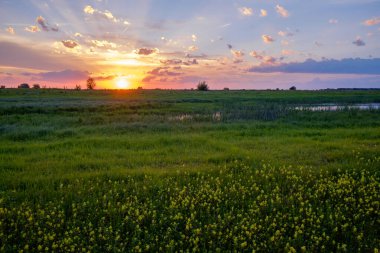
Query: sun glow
point(122, 83)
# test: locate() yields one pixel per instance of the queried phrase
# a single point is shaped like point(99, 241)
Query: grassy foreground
point(148, 171)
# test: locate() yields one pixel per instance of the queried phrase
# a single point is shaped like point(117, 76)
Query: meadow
point(180, 171)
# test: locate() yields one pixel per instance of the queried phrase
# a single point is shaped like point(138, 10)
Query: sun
point(122, 83)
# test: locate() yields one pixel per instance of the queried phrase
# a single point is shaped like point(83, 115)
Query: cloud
point(192, 48)
point(358, 42)
point(263, 13)
point(45, 26)
point(161, 74)
point(34, 57)
point(11, 30)
point(103, 44)
point(237, 53)
point(194, 38)
point(333, 21)
point(171, 61)
point(89, 10)
point(372, 21)
point(32, 29)
point(282, 11)
point(190, 62)
point(78, 35)
point(229, 46)
point(344, 66)
point(287, 52)
point(267, 38)
point(246, 11)
point(105, 15)
point(65, 76)
point(287, 34)
point(69, 43)
point(146, 51)
point(256, 55)
point(318, 44)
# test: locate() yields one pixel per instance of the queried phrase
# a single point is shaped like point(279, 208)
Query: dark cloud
point(159, 74)
point(358, 42)
point(20, 56)
point(146, 51)
point(45, 26)
point(190, 62)
point(58, 76)
point(69, 43)
point(344, 66)
point(171, 61)
point(229, 46)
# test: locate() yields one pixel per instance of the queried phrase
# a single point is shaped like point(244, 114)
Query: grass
point(155, 170)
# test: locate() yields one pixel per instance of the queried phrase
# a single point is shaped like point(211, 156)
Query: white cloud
point(263, 13)
point(246, 11)
point(282, 11)
point(89, 10)
point(333, 21)
point(194, 38)
point(32, 29)
point(267, 38)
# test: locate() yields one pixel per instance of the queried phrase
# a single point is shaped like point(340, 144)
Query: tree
point(91, 83)
point(78, 87)
point(203, 86)
point(293, 88)
point(36, 86)
point(24, 86)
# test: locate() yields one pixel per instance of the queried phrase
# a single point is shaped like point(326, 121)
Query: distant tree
point(78, 87)
point(2, 87)
point(139, 88)
point(293, 88)
point(24, 86)
point(36, 86)
point(203, 86)
point(226, 88)
point(91, 83)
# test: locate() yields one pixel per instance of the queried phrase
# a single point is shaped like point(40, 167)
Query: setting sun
point(122, 83)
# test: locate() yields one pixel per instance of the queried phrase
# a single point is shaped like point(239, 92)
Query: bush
point(36, 86)
point(78, 87)
point(293, 88)
point(202, 86)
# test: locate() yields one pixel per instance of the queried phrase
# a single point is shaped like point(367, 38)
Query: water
point(336, 107)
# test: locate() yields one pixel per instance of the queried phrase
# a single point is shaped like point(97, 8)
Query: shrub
point(202, 86)
point(293, 88)
point(78, 87)
point(36, 86)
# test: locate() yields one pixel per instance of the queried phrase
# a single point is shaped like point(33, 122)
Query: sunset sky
point(240, 44)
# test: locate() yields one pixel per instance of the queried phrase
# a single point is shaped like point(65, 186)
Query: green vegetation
point(154, 170)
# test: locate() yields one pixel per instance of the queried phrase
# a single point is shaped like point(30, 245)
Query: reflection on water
point(335, 107)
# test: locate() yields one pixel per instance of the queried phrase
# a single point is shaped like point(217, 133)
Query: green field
point(160, 170)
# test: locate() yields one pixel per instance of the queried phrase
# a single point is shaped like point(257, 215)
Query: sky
point(239, 44)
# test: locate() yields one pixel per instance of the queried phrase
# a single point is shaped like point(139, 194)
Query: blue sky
point(174, 44)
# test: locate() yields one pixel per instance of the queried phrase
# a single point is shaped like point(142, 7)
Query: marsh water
point(337, 107)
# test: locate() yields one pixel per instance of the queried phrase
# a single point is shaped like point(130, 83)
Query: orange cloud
point(263, 13)
point(267, 38)
point(69, 43)
point(372, 21)
point(11, 30)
